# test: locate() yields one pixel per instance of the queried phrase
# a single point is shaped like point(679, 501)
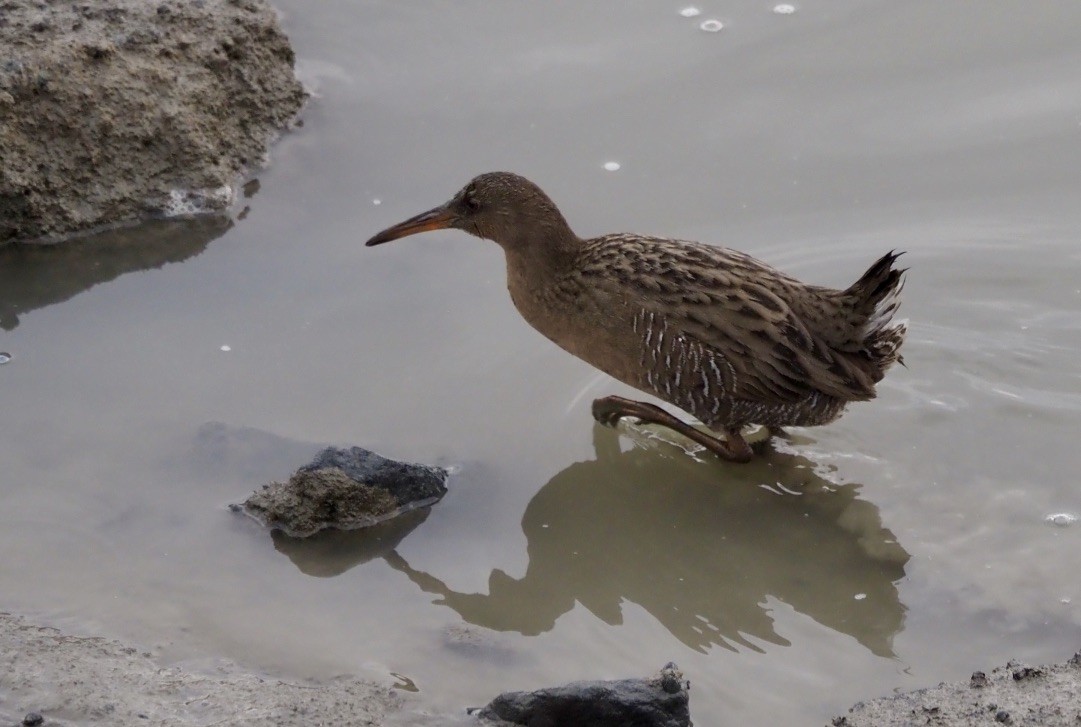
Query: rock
point(1011, 694)
point(1021, 672)
point(345, 489)
point(150, 109)
point(660, 701)
point(33, 719)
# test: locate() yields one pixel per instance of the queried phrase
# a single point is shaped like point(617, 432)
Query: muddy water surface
point(905, 544)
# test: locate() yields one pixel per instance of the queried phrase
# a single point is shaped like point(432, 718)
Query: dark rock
point(638, 702)
point(33, 719)
point(978, 680)
point(1026, 672)
point(345, 489)
point(1002, 716)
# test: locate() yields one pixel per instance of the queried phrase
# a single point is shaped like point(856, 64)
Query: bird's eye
point(472, 202)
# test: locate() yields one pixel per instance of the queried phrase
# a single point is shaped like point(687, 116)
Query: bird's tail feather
point(873, 301)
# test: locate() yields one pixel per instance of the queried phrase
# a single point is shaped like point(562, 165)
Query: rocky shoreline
point(1014, 694)
point(76, 680)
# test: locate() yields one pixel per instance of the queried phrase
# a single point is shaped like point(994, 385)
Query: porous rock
point(345, 489)
point(659, 701)
point(114, 111)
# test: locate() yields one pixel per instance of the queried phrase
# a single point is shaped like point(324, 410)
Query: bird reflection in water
point(702, 556)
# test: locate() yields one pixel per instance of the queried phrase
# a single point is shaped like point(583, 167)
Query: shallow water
point(905, 544)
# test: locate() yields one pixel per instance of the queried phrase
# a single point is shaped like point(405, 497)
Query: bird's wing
point(724, 301)
point(773, 357)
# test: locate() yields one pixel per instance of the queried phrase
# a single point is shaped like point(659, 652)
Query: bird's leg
point(611, 409)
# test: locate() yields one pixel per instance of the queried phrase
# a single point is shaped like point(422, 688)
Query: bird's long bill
point(434, 219)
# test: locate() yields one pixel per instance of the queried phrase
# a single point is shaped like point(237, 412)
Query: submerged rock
point(345, 489)
point(114, 111)
point(660, 701)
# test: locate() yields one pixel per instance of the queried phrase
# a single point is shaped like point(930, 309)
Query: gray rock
point(1014, 694)
point(660, 701)
point(150, 109)
point(345, 489)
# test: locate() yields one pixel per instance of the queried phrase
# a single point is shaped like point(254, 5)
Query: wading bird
point(713, 331)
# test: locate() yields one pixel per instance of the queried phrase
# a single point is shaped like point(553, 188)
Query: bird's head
point(499, 206)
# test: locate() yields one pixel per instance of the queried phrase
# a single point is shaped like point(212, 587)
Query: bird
point(712, 331)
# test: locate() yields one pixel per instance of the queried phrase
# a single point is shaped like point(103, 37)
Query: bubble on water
point(612, 166)
point(1062, 519)
point(226, 348)
point(377, 201)
point(690, 12)
point(784, 9)
point(860, 596)
point(1064, 600)
point(712, 26)
point(4, 358)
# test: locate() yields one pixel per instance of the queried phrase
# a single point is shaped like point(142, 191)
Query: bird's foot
point(611, 409)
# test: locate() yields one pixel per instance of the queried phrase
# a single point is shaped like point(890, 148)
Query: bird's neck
point(534, 276)
point(542, 253)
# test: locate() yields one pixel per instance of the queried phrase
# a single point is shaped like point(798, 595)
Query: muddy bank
point(1015, 694)
point(72, 680)
point(75, 680)
point(113, 111)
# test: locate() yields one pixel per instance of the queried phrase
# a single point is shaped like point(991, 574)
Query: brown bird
point(713, 331)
